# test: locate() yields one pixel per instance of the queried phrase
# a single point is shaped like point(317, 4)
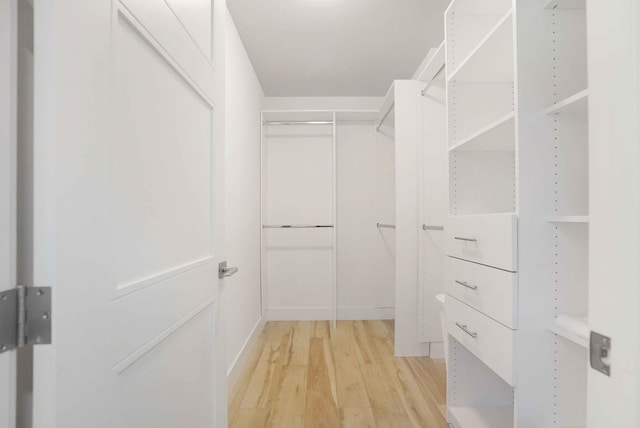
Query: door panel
point(127, 191)
point(162, 153)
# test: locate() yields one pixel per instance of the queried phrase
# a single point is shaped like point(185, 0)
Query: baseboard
point(233, 374)
point(356, 313)
point(299, 314)
point(436, 350)
point(321, 314)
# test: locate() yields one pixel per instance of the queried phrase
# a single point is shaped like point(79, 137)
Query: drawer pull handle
point(460, 238)
point(464, 284)
point(466, 330)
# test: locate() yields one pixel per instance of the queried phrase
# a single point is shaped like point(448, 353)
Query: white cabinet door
point(8, 34)
point(129, 163)
point(614, 230)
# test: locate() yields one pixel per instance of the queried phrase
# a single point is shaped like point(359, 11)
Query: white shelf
point(497, 136)
point(482, 417)
point(492, 59)
point(570, 333)
point(575, 104)
point(565, 4)
point(568, 219)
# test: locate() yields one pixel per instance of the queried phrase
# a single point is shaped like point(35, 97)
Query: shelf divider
point(482, 417)
point(575, 104)
point(570, 333)
point(467, 71)
point(497, 136)
point(568, 219)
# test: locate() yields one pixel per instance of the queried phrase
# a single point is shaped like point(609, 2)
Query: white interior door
point(128, 195)
point(614, 204)
point(8, 34)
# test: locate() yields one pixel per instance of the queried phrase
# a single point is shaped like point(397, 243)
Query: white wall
point(241, 297)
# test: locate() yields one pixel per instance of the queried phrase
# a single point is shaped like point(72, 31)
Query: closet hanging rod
point(433, 79)
point(386, 226)
point(384, 117)
point(425, 227)
point(296, 226)
point(309, 122)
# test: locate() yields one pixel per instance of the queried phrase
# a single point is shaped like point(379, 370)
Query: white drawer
point(487, 339)
point(488, 239)
point(491, 291)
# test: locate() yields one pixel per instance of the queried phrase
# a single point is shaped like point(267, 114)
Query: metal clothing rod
point(386, 226)
point(425, 227)
point(384, 117)
point(296, 226)
point(312, 122)
point(433, 79)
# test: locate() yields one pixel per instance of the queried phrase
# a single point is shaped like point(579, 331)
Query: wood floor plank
point(342, 340)
point(242, 384)
point(250, 418)
point(357, 418)
point(299, 350)
point(386, 405)
point(268, 372)
point(421, 408)
point(289, 407)
point(365, 349)
point(350, 386)
point(321, 409)
point(382, 339)
point(308, 374)
point(323, 329)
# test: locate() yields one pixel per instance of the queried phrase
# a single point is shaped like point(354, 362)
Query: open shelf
point(482, 417)
point(497, 136)
point(571, 328)
point(576, 104)
point(565, 4)
point(492, 59)
point(568, 219)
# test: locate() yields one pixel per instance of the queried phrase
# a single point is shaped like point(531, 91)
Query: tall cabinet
point(517, 236)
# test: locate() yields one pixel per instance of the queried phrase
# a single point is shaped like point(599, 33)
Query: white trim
point(436, 350)
point(326, 314)
point(233, 373)
point(150, 345)
point(300, 314)
point(131, 287)
point(365, 313)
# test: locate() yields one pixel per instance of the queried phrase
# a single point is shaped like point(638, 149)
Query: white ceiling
point(336, 47)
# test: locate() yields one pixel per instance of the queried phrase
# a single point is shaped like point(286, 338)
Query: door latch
point(224, 271)
point(25, 317)
point(600, 353)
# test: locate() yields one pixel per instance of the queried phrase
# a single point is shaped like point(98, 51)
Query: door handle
point(466, 284)
point(464, 328)
point(224, 271)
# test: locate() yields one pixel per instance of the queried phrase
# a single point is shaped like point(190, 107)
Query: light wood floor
point(305, 374)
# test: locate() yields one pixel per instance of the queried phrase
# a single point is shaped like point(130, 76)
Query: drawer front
point(487, 339)
point(488, 239)
point(491, 291)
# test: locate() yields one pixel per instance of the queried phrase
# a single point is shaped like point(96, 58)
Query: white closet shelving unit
point(517, 236)
point(299, 213)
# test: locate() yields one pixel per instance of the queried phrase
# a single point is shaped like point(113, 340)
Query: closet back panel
point(299, 162)
point(357, 234)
